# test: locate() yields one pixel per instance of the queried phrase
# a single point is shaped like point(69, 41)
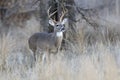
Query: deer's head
point(59, 26)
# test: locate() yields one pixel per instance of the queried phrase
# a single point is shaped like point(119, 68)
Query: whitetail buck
point(47, 43)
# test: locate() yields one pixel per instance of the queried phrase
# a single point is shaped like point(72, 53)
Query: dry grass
point(79, 62)
point(98, 64)
point(7, 44)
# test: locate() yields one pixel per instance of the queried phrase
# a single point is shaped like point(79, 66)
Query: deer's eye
point(57, 26)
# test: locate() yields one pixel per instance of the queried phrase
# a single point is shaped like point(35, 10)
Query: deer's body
point(48, 42)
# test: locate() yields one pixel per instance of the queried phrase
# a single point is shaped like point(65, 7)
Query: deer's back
point(42, 41)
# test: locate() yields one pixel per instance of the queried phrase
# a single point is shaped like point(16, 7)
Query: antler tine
point(49, 15)
point(63, 13)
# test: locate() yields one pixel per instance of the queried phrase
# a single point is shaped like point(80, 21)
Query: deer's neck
point(58, 38)
point(59, 34)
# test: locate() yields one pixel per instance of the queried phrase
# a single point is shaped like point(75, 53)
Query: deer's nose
point(62, 29)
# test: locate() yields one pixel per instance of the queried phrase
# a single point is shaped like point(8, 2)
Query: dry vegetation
point(79, 62)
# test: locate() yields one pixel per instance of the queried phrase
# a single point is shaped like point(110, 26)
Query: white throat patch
point(59, 34)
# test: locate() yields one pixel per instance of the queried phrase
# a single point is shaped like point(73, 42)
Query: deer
point(49, 42)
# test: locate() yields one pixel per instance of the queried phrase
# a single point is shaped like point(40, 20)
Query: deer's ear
point(64, 21)
point(51, 22)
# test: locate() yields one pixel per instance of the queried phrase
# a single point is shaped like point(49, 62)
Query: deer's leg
point(43, 57)
point(58, 49)
point(46, 57)
point(34, 54)
point(41, 54)
point(34, 57)
point(37, 54)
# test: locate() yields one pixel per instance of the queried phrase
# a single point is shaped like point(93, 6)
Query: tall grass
point(78, 62)
point(7, 44)
point(99, 63)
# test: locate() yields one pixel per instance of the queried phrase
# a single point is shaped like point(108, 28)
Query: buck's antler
point(50, 15)
point(63, 13)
